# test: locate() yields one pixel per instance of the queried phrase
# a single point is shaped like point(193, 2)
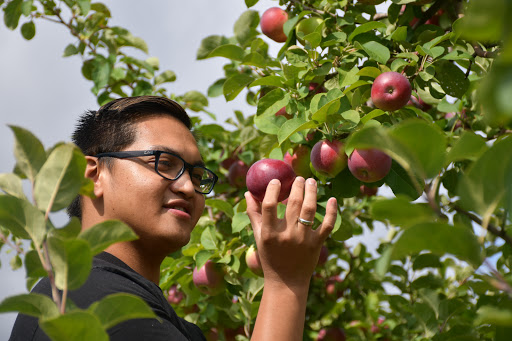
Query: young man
point(148, 172)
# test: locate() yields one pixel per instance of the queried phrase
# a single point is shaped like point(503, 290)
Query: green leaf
point(272, 102)
point(485, 20)
point(487, 181)
point(468, 147)
point(195, 100)
point(28, 30)
point(33, 265)
point(235, 84)
point(100, 72)
point(369, 71)
point(74, 325)
point(106, 233)
point(240, 221)
point(215, 89)
point(345, 185)
point(29, 152)
point(400, 34)
point(71, 261)
point(12, 13)
point(400, 182)
point(494, 93)
point(70, 50)
point(268, 81)
point(37, 305)
point(85, 6)
point(209, 238)
point(269, 124)
point(377, 51)
point(221, 205)
point(369, 26)
point(229, 51)
point(209, 44)
point(330, 103)
point(245, 26)
point(292, 126)
point(371, 115)
point(11, 184)
point(401, 212)
point(22, 219)
point(254, 59)
point(451, 78)
point(60, 178)
point(440, 239)
point(494, 316)
point(120, 307)
point(165, 77)
point(250, 3)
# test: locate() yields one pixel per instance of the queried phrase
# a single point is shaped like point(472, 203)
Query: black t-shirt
point(110, 275)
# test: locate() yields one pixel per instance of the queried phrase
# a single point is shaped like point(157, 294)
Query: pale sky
point(45, 93)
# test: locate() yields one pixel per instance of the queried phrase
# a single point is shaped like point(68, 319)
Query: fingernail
point(300, 179)
point(274, 182)
point(311, 182)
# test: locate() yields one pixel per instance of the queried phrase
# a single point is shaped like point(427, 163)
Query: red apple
point(209, 279)
point(331, 334)
point(272, 22)
point(328, 158)
point(390, 91)
point(332, 286)
point(174, 296)
point(282, 112)
point(315, 88)
point(212, 335)
point(253, 261)
point(262, 171)
point(368, 191)
point(299, 161)
point(231, 333)
point(237, 173)
point(228, 162)
point(369, 165)
point(324, 254)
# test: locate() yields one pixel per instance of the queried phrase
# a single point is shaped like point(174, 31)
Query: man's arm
point(289, 252)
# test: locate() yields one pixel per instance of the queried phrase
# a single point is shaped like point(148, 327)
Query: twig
point(490, 227)
point(484, 54)
point(380, 16)
point(11, 245)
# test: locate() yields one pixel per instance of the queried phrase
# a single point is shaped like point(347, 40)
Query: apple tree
point(413, 103)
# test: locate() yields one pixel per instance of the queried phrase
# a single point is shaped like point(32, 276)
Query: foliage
point(442, 273)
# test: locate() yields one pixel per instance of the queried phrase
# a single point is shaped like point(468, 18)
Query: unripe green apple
point(307, 26)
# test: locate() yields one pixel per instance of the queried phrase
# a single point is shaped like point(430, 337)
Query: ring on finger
point(305, 222)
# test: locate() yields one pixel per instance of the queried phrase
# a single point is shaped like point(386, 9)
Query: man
point(147, 172)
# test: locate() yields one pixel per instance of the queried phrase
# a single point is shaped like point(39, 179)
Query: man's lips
point(179, 207)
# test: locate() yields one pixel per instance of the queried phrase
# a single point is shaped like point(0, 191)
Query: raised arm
point(289, 252)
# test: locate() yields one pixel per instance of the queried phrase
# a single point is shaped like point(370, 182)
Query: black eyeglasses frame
point(157, 153)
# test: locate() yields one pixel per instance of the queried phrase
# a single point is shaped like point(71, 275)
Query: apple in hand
point(262, 171)
point(300, 160)
point(271, 23)
point(209, 279)
point(253, 261)
point(237, 173)
point(369, 165)
point(331, 334)
point(390, 91)
point(328, 157)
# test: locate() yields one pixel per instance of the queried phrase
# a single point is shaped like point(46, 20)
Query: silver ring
point(305, 222)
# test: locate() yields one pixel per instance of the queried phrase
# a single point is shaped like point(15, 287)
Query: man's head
point(112, 128)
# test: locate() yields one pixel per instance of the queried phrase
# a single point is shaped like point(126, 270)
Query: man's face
point(162, 212)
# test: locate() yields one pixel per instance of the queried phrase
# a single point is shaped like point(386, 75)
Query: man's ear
point(94, 171)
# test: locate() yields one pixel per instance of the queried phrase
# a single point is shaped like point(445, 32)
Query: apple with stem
point(390, 91)
point(262, 171)
point(369, 165)
point(271, 23)
point(209, 279)
point(300, 160)
point(328, 157)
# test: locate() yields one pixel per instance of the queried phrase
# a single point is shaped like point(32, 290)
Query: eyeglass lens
point(171, 167)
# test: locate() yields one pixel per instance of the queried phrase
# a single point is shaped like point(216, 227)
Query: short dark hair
point(111, 128)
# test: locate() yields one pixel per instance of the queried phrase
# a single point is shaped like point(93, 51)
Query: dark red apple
point(390, 91)
point(315, 88)
point(328, 157)
point(231, 333)
point(300, 160)
point(262, 171)
point(272, 22)
point(369, 165)
point(228, 162)
point(212, 335)
point(237, 173)
point(174, 296)
point(282, 112)
point(368, 191)
point(209, 279)
point(253, 261)
point(331, 334)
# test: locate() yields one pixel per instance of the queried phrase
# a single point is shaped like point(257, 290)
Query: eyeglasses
point(170, 166)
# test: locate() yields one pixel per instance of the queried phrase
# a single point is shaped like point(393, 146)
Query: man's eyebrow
point(173, 151)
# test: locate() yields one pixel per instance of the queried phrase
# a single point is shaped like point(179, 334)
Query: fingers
point(308, 209)
point(331, 211)
point(295, 199)
point(269, 204)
